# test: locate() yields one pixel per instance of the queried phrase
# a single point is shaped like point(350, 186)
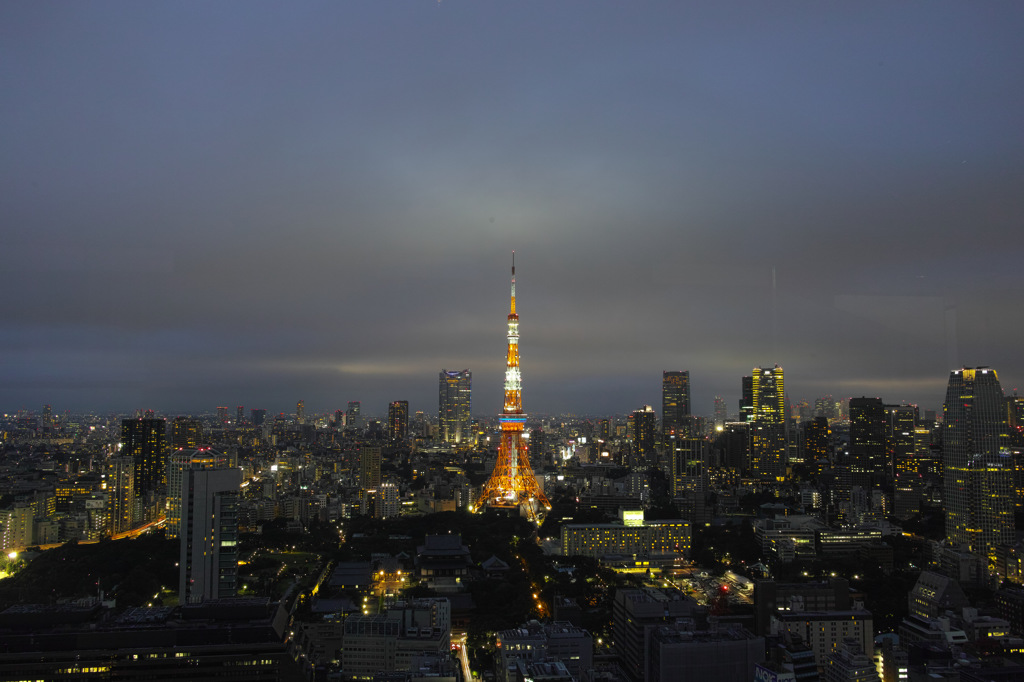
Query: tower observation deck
point(512, 484)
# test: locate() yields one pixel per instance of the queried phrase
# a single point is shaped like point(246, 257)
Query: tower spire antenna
point(512, 483)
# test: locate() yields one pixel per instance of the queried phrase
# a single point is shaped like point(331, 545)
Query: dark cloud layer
point(253, 203)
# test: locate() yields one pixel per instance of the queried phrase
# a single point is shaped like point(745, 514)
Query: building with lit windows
point(868, 428)
point(645, 437)
point(398, 420)
point(119, 480)
point(454, 405)
point(675, 403)
point(369, 466)
point(633, 537)
point(534, 642)
point(177, 463)
point(144, 440)
point(208, 564)
point(397, 640)
point(767, 424)
point(186, 433)
point(978, 492)
point(824, 631)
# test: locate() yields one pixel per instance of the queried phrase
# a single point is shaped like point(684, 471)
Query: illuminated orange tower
point(512, 484)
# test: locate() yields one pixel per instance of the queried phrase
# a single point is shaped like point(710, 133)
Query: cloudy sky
point(251, 203)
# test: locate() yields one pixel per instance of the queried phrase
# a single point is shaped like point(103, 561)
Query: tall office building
point(257, 417)
point(454, 405)
point(208, 564)
point(353, 415)
point(186, 433)
point(300, 412)
point(222, 414)
point(675, 404)
point(144, 441)
point(768, 423)
point(868, 429)
point(746, 399)
point(177, 463)
point(817, 444)
point(239, 415)
point(398, 420)
point(902, 427)
point(978, 491)
point(721, 414)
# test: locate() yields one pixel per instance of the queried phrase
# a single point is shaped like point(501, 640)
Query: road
point(459, 640)
point(133, 533)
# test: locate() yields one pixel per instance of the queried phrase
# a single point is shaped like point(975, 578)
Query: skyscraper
point(817, 444)
point(398, 420)
point(208, 564)
point(257, 417)
point(645, 426)
point(186, 433)
point(369, 466)
point(512, 483)
point(300, 412)
point(768, 423)
point(868, 427)
point(144, 441)
point(119, 472)
point(177, 463)
point(454, 405)
point(746, 399)
point(721, 415)
point(353, 415)
point(978, 491)
point(675, 403)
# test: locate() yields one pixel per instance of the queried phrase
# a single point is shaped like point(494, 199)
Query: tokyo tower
point(512, 484)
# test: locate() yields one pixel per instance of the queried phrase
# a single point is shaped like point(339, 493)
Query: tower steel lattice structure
point(512, 484)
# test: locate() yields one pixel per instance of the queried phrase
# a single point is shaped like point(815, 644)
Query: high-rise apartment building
point(768, 423)
point(119, 474)
point(645, 438)
point(454, 405)
point(675, 404)
point(300, 412)
point(978, 491)
point(398, 420)
point(186, 433)
point(144, 440)
point(222, 414)
point(239, 415)
point(208, 564)
point(369, 466)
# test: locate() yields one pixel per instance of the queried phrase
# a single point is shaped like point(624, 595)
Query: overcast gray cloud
point(252, 203)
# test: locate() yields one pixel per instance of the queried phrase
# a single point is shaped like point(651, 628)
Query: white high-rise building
point(209, 534)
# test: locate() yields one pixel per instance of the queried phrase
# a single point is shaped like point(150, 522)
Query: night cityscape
point(721, 303)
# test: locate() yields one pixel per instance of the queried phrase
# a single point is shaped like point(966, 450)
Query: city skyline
point(220, 206)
